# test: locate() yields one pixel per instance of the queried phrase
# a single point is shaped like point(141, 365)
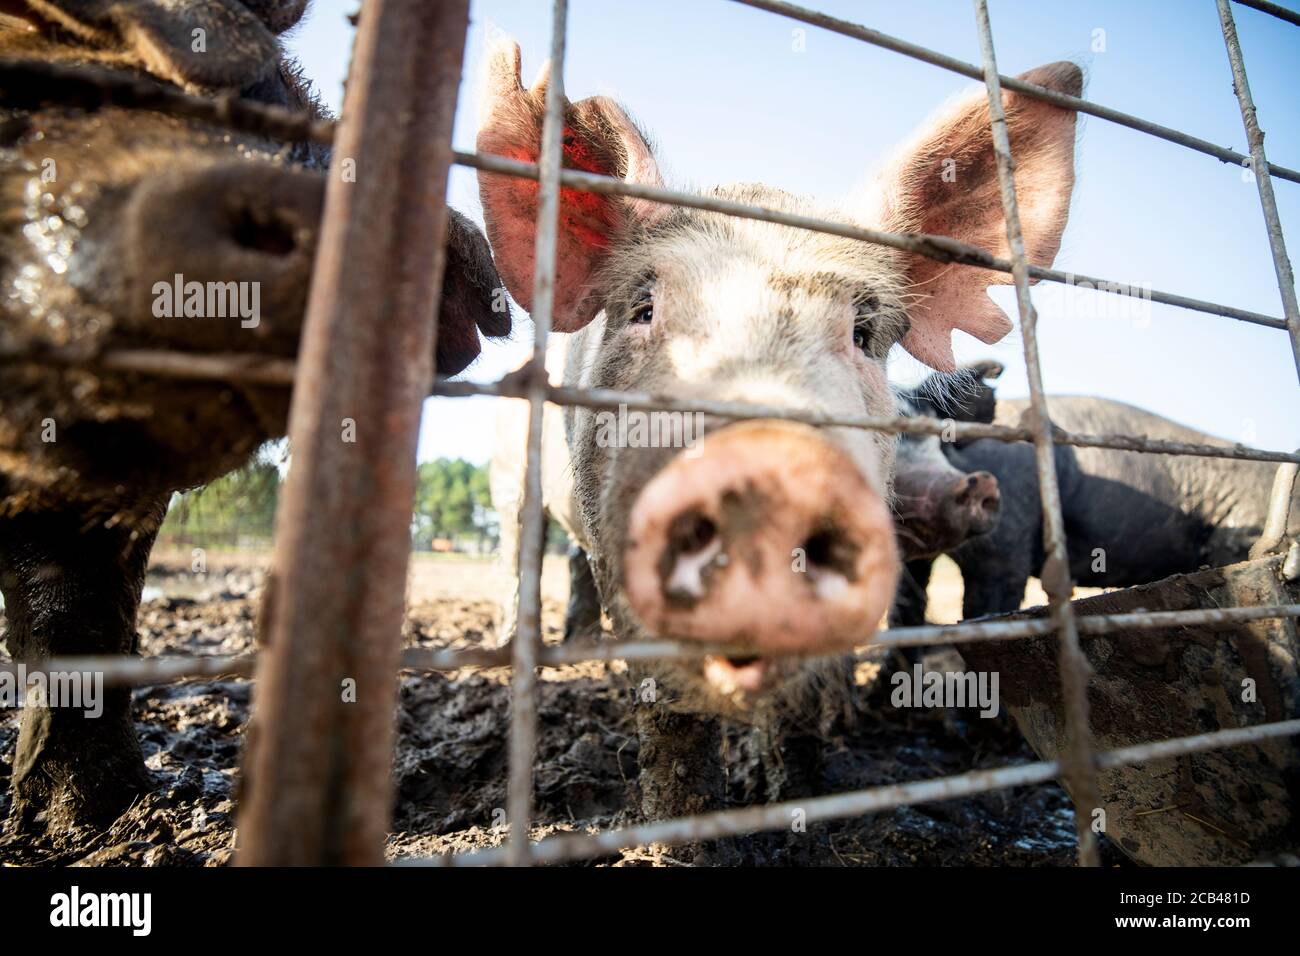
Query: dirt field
point(450, 764)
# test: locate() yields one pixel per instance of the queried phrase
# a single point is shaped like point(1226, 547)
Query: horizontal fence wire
point(779, 816)
point(32, 83)
point(1064, 100)
point(254, 369)
point(120, 671)
point(1274, 9)
point(940, 248)
point(612, 399)
point(244, 367)
point(36, 83)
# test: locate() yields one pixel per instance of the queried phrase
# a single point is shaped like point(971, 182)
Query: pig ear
point(598, 137)
point(278, 15)
point(192, 43)
point(472, 301)
point(945, 182)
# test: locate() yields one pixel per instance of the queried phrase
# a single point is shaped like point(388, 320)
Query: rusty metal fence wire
point(1079, 764)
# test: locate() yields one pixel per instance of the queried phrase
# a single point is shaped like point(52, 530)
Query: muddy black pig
point(771, 536)
point(102, 209)
point(1130, 518)
point(937, 505)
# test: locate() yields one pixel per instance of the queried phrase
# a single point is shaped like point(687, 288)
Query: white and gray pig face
point(770, 536)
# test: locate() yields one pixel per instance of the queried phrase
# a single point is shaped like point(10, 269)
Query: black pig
point(1130, 517)
point(102, 210)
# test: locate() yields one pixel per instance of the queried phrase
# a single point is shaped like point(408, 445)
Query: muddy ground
point(450, 764)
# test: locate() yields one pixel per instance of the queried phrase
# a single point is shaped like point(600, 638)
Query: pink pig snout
point(977, 502)
point(769, 538)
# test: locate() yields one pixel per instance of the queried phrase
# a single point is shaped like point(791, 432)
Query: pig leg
point(582, 617)
point(792, 771)
point(791, 763)
point(72, 586)
point(791, 741)
point(508, 618)
point(993, 589)
point(681, 773)
point(910, 603)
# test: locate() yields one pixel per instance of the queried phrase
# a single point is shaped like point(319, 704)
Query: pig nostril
point(263, 231)
point(686, 567)
point(831, 550)
point(691, 532)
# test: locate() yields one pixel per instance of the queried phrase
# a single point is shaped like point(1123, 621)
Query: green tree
point(451, 499)
point(236, 506)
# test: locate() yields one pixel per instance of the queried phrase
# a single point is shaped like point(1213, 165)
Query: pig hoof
point(80, 774)
point(65, 811)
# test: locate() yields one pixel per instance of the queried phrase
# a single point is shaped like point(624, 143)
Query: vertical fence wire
point(1264, 182)
point(1078, 758)
point(532, 536)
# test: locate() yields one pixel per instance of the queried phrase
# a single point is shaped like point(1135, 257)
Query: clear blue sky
point(728, 99)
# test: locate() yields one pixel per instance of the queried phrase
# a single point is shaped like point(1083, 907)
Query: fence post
point(318, 769)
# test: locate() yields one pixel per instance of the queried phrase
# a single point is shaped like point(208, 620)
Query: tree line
point(453, 507)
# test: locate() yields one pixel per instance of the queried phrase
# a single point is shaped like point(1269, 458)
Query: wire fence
point(1079, 763)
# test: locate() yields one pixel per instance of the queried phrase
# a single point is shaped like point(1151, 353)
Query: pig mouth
point(736, 676)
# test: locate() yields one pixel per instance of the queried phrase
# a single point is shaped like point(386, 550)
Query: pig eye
point(862, 340)
point(867, 310)
point(643, 301)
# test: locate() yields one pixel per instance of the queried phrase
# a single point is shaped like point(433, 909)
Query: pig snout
point(974, 503)
point(247, 227)
point(767, 537)
point(939, 508)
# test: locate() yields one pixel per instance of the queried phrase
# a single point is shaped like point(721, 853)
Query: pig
point(966, 395)
point(103, 206)
point(936, 506)
point(766, 535)
point(1130, 518)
